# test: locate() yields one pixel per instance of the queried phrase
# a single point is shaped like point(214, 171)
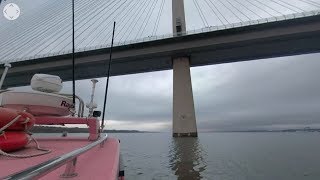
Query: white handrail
point(44, 168)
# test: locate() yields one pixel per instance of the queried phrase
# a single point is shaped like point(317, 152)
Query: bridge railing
point(167, 36)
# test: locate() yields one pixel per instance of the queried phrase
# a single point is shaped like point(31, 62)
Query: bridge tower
point(184, 119)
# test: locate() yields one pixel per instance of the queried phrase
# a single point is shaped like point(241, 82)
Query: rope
point(46, 151)
point(10, 123)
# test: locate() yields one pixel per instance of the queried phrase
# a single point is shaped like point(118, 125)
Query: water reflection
point(187, 158)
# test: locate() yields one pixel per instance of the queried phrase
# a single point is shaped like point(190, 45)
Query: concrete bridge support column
point(184, 119)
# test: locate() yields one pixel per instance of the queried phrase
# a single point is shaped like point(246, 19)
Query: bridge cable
point(133, 21)
point(64, 32)
point(203, 19)
point(249, 9)
point(128, 14)
point(87, 19)
point(93, 21)
point(124, 16)
point(140, 31)
point(231, 11)
point(44, 36)
point(100, 21)
point(79, 27)
point(219, 12)
point(114, 11)
point(239, 10)
point(285, 5)
point(292, 6)
point(155, 29)
point(18, 26)
point(259, 8)
point(310, 3)
point(214, 12)
point(100, 33)
point(314, 2)
point(266, 5)
point(139, 18)
point(22, 37)
point(63, 26)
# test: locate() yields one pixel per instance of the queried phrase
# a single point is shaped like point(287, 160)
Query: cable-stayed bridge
point(154, 35)
point(144, 37)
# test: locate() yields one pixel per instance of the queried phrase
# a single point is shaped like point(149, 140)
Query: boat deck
point(97, 163)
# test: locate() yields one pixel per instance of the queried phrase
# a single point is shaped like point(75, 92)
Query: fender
point(7, 115)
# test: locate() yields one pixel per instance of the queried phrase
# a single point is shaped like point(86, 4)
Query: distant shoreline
point(48, 129)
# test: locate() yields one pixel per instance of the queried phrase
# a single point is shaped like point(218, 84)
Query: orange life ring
point(7, 115)
point(13, 140)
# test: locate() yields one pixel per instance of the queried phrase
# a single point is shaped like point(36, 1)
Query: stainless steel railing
point(44, 168)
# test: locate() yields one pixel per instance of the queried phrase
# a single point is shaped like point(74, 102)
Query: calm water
point(226, 156)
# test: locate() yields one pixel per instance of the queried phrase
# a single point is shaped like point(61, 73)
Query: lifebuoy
point(7, 115)
point(12, 140)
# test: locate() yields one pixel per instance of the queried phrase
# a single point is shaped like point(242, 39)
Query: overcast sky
point(263, 94)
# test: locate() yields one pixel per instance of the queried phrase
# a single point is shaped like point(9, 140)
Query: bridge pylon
point(184, 119)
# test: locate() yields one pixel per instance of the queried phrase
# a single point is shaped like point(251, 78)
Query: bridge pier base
point(184, 119)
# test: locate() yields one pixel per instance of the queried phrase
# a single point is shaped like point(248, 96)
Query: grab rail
point(44, 168)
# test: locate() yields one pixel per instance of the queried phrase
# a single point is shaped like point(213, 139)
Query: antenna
point(73, 66)
point(4, 74)
point(108, 75)
point(92, 105)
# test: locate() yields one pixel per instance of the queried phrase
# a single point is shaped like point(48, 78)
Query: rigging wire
point(155, 29)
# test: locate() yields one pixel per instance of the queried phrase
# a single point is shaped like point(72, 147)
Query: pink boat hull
point(97, 163)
